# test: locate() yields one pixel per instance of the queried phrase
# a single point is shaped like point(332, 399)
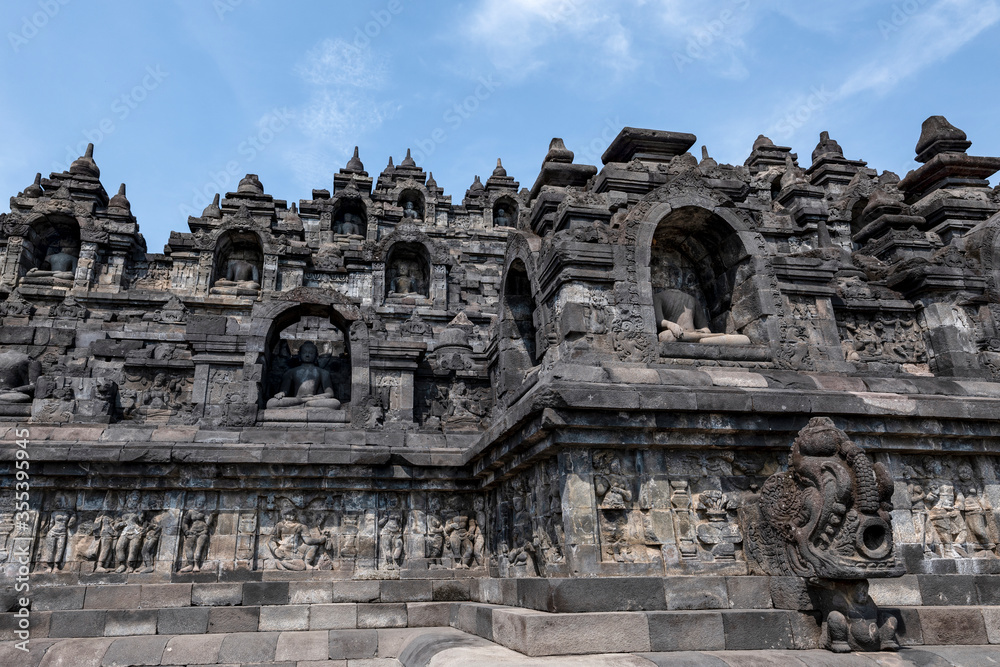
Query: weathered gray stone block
point(686, 631)
point(248, 647)
point(83, 623)
point(302, 646)
point(952, 625)
point(130, 651)
point(183, 621)
point(342, 616)
point(382, 615)
point(353, 644)
point(215, 595)
point(122, 623)
point(284, 617)
point(233, 619)
point(757, 630)
point(112, 597)
point(265, 592)
point(695, 593)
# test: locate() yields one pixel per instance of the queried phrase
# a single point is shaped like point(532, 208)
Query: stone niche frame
point(437, 257)
point(240, 223)
point(19, 231)
point(748, 261)
point(273, 317)
point(514, 361)
point(226, 243)
point(354, 202)
point(509, 200)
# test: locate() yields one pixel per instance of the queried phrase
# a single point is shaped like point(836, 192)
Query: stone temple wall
point(596, 376)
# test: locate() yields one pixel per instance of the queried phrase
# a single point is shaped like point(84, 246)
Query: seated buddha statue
point(350, 225)
point(307, 385)
point(410, 211)
point(405, 282)
point(61, 271)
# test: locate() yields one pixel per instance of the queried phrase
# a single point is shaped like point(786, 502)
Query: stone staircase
point(406, 621)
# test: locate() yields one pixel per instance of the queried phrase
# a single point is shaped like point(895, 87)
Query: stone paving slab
point(440, 647)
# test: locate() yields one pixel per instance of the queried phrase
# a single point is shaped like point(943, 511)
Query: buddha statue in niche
point(681, 317)
point(18, 377)
point(307, 385)
point(407, 280)
point(240, 275)
point(350, 224)
point(62, 267)
point(502, 218)
point(410, 211)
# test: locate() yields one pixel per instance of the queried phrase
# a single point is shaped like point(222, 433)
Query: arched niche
point(519, 310)
point(350, 218)
point(407, 271)
point(696, 260)
point(292, 381)
point(412, 203)
point(50, 252)
point(238, 264)
point(505, 212)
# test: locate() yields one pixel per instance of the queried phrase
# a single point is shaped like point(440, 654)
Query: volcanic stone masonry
point(666, 366)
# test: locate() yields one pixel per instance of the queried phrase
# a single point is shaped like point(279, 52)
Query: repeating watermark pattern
point(591, 153)
point(901, 15)
point(23, 525)
point(454, 117)
point(32, 24)
point(121, 108)
point(223, 7)
point(700, 42)
point(381, 18)
point(799, 114)
point(268, 128)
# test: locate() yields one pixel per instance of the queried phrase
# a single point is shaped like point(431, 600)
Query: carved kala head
point(829, 515)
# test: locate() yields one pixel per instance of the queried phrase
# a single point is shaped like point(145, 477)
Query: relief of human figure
point(128, 548)
point(853, 620)
point(196, 527)
point(291, 545)
point(105, 531)
point(306, 385)
point(946, 531)
point(612, 486)
point(457, 531)
point(681, 317)
point(391, 544)
point(61, 520)
point(151, 542)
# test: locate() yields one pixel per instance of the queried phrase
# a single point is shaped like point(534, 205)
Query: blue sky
point(179, 96)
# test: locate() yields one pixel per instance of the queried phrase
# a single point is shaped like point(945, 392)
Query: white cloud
point(339, 63)
point(342, 82)
point(514, 32)
point(919, 39)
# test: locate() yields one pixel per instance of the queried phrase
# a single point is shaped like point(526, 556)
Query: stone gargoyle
point(826, 523)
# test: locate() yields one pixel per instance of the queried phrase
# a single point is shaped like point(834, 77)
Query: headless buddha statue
point(61, 271)
point(241, 277)
point(18, 376)
point(307, 385)
point(680, 317)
